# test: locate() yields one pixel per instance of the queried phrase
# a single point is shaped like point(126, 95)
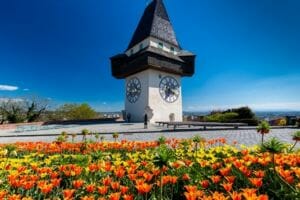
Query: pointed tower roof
point(156, 23)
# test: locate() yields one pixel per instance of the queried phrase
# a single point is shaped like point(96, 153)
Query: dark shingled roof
point(155, 22)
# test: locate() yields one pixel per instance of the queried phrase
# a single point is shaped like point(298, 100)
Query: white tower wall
point(150, 100)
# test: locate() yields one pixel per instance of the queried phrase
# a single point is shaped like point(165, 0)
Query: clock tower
point(152, 66)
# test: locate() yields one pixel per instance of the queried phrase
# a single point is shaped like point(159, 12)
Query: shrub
point(235, 115)
point(243, 112)
point(281, 122)
point(221, 117)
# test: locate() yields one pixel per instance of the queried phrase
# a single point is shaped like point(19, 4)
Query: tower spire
point(156, 23)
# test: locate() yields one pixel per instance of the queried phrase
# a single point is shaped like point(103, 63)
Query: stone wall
point(14, 126)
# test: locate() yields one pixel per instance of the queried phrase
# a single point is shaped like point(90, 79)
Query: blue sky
point(248, 52)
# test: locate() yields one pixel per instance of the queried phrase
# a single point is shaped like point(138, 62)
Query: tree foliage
point(75, 112)
point(243, 112)
point(241, 115)
point(221, 117)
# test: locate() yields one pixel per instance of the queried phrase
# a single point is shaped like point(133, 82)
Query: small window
point(131, 52)
point(141, 46)
point(172, 49)
point(160, 45)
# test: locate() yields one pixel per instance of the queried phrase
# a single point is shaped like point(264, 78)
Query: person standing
point(128, 117)
point(146, 121)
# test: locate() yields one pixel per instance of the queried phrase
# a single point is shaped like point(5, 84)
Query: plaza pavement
point(136, 132)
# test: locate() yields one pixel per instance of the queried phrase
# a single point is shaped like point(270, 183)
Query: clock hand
point(174, 91)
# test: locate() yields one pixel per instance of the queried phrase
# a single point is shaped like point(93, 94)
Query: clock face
point(133, 90)
point(169, 89)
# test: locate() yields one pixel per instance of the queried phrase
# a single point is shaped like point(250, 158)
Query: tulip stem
point(161, 184)
point(262, 138)
point(286, 183)
point(293, 146)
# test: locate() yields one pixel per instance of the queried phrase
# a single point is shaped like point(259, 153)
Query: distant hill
point(259, 114)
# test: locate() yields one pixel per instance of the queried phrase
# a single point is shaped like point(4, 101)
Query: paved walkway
point(247, 135)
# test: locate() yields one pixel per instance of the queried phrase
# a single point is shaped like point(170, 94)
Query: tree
point(244, 113)
point(2, 115)
point(12, 110)
point(22, 109)
point(75, 112)
point(35, 107)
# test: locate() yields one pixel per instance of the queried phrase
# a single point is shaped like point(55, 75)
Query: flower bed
point(172, 169)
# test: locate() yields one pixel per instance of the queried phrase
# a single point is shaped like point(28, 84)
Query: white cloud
point(26, 89)
point(8, 88)
point(10, 99)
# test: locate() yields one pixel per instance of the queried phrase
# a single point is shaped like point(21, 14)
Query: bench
point(203, 124)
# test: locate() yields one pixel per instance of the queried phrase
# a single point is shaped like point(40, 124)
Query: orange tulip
point(257, 182)
point(2, 194)
point(259, 174)
point(148, 177)
point(227, 186)
point(54, 175)
point(106, 181)
point(165, 180)
point(46, 188)
point(93, 167)
point(235, 196)
point(27, 198)
point(90, 188)
point(205, 184)
point(230, 179)
point(114, 196)
point(87, 198)
point(249, 193)
point(27, 185)
point(245, 171)
point(102, 190)
point(289, 179)
point(190, 188)
point(140, 173)
point(55, 182)
point(127, 197)
point(225, 171)
point(186, 177)
point(115, 185)
point(108, 166)
point(190, 196)
point(120, 172)
point(143, 188)
point(263, 197)
point(245, 152)
point(78, 184)
point(173, 179)
point(132, 177)
point(219, 196)
point(14, 197)
point(124, 189)
point(215, 179)
point(68, 193)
